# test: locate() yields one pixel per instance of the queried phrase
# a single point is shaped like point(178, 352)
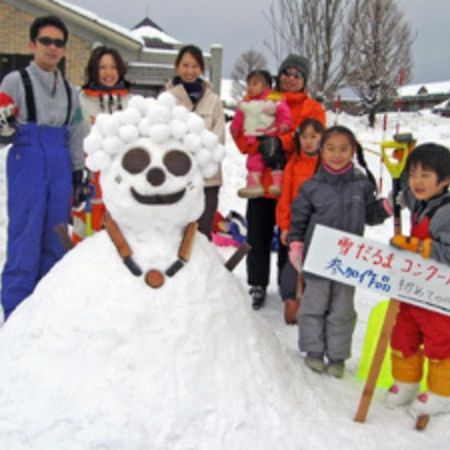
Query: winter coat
point(415, 325)
point(302, 107)
point(210, 109)
point(299, 168)
point(262, 115)
point(345, 202)
point(94, 102)
point(439, 224)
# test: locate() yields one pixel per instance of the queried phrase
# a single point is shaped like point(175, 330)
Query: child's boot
point(336, 368)
point(407, 373)
point(277, 179)
point(400, 394)
point(254, 188)
point(291, 306)
point(315, 362)
point(437, 399)
point(430, 404)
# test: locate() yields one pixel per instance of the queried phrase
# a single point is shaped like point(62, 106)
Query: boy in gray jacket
point(342, 197)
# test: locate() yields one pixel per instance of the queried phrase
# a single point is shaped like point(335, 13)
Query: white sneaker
point(430, 404)
point(400, 394)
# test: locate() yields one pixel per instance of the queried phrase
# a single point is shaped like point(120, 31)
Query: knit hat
point(8, 116)
point(297, 62)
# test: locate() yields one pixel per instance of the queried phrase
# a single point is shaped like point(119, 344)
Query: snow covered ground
point(325, 406)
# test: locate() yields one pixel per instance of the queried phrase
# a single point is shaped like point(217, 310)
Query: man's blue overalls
point(39, 173)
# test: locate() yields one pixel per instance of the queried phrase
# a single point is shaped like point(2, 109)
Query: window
point(10, 62)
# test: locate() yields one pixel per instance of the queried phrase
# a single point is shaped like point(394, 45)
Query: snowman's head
point(153, 157)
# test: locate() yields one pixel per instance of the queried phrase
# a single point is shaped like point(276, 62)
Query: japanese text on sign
point(372, 265)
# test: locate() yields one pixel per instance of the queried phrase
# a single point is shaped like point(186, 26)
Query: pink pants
point(255, 163)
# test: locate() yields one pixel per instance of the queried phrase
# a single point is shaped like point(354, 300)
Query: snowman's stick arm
point(236, 257)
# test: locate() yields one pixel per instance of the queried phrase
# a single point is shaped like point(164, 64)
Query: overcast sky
point(240, 24)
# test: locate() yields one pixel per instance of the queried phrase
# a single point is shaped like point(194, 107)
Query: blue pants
point(39, 176)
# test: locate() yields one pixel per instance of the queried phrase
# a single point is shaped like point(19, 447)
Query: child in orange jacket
point(300, 168)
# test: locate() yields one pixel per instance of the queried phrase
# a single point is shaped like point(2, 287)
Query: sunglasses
point(47, 41)
point(292, 73)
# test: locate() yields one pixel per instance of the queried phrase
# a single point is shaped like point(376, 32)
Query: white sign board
point(368, 264)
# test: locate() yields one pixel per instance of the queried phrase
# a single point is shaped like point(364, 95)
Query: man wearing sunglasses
point(45, 161)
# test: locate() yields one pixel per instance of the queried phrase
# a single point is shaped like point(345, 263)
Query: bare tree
point(247, 61)
point(382, 48)
point(322, 31)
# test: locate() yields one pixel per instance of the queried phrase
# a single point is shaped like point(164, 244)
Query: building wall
point(14, 39)
point(15, 20)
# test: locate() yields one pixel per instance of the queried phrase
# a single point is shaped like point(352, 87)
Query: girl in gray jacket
point(342, 197)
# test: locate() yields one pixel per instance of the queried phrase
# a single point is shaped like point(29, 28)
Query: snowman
point(139, 338)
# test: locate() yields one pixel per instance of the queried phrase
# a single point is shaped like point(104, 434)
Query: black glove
point(272, 151)
point(81, 186)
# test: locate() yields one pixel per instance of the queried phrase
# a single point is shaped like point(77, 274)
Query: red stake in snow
point(337, 109)
point(401, 82)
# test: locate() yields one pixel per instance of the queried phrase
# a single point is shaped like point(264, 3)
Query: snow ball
point(144, 127)
point(110, 126)
point(167, 99)
point(159, 133)
point(119, 116)
point(150, 102)
point(138, 102)
point(203, 157)
point(209, 170)
point(131, 116)
point(112, 144)
point(158, 114)
point(218, 153)
point(195, 123)
point(178, 128)
point(93, 142)
point(180, 113)
point(128, 133)
point(98, 161)
point(100, 122)
point(192, 142)
point(209, 139)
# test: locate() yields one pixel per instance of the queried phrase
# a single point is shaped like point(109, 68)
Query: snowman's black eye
point(177, 162)
point(136, 160)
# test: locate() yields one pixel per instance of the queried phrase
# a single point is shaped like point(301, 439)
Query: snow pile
point(110, 362)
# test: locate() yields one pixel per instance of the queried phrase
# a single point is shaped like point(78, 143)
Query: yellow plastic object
point(374, 325)
point(394, 166)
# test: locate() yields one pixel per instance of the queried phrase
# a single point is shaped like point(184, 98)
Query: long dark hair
point(91, 72)
point(314, 123)
point(339, 129)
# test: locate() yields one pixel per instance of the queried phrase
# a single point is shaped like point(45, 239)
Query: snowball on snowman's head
point(153, 157)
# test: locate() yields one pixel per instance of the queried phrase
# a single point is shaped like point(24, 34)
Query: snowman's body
point(95, 358)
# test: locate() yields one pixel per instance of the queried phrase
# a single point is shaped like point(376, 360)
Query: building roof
point(147, 22)
point(152, 36)
point(413, 90)
point(88, 19)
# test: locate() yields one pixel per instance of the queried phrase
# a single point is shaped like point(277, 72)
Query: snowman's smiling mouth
point(158, 199)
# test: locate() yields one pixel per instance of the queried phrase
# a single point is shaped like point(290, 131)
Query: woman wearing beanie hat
point(293, 74)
